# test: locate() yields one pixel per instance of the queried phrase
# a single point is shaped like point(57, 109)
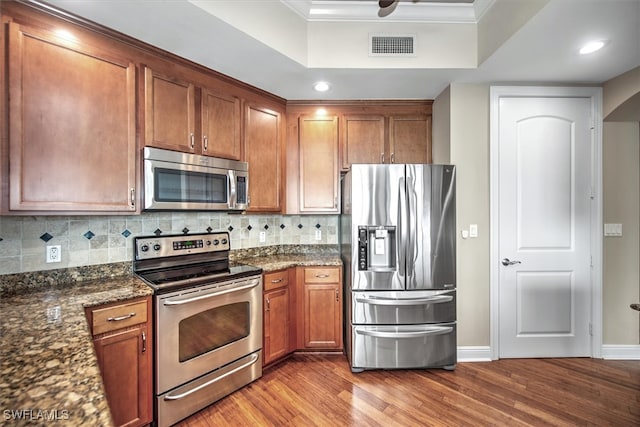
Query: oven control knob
point(156, 247)
point(208, 242)
point(144, 248)
point(216, 242)
point(224, 241)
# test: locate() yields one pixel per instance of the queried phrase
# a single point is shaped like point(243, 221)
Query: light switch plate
point(613, 230)
point(473, 230)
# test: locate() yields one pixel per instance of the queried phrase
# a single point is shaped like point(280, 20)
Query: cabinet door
point(322, 316)
point(220, 125)
point(410, 139)
point(276, 324)
point(262, 147)
point(362, 140)
point(72, 139)
point(169, 113)
point(125, 363)
point(318, 152)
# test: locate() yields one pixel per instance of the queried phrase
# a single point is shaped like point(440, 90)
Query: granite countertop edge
point(48, 366)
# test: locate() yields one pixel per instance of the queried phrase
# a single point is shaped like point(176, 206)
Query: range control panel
point(150, 247)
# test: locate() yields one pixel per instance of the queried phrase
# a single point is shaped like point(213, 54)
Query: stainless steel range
point(208, 320)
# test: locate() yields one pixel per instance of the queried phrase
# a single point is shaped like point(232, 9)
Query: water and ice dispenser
point(377, 248)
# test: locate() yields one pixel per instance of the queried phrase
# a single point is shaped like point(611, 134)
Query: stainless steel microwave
point(182, 181)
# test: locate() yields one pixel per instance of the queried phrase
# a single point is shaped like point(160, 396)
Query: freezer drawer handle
point(253, 360)
point(413, 334)
point(437, 299)
point(252, 284)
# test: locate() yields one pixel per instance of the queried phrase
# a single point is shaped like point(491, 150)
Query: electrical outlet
point(318, 234)
point(54, 253)
point(263, 236)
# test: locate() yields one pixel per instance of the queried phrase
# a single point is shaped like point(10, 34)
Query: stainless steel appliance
point(181, 181)
point(398, 247)
point(208, 321)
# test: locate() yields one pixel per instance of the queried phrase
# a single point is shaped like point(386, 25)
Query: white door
point(544, 210)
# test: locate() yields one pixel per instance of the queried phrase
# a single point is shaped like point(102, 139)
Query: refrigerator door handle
point(434, 330)
point(401, 247)
point(436, 299)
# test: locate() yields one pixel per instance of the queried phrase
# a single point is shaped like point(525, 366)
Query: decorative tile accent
point(318, 226)
point(209, 229)
point(249, 227)
point(89, 235)
point(46, 237)
point(157, 232)
point(300, 226)
point(282, 226)
point(230, 229)
point(126, 233)
point(266, 226)
point(185, 230)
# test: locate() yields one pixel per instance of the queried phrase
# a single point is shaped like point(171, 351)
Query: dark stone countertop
point(48, 367)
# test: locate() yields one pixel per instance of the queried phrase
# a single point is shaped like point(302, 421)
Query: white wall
point(468, 119)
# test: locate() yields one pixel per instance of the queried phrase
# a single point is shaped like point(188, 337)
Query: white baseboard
point(620, 352)
point(474, 354)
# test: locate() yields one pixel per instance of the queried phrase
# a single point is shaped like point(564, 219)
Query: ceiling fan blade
point(386, 3)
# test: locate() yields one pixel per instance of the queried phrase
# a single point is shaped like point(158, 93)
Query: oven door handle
point(251, 284)
point(436, 299)
point(254, 359)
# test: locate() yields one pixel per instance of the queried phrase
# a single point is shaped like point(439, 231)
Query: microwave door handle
point(231, 188)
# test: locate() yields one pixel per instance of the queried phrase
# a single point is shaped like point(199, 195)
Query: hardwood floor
point(320, 390)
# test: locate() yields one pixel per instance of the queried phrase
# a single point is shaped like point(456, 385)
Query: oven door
point(204, 328)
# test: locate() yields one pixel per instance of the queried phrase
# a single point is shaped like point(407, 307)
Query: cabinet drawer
point(118, 317)
point(322, 275)
point(276, 280)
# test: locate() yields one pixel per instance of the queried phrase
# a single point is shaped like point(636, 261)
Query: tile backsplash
point(90, 240)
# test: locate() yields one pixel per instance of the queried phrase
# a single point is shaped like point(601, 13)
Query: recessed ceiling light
point(592, 46)
point(321, 86)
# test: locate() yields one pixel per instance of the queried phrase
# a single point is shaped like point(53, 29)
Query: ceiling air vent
point(392, 44)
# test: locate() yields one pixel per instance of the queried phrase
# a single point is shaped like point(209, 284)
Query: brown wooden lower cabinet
point(322, 308)
point(123, 343)
point(276, 307)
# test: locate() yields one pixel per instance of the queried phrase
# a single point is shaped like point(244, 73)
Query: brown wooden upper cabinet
point(410, 139)
point(171, 107)
point(318, 164)
point(262, 147)
point(72, 133)
point(382, 139)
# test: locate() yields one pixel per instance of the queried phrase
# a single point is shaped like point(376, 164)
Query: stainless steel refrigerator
point(397, 237)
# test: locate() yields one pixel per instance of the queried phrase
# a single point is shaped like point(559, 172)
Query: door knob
point(507, 261)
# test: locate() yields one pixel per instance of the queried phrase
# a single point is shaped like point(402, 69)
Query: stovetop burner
point(173, 262)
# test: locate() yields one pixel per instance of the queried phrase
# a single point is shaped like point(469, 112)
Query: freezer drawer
point(403, 308)
point(400, 347)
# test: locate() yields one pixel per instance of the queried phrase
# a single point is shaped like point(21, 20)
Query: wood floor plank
point(320, 390)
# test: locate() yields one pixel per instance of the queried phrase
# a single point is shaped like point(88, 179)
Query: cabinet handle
point(206, 142)
point(268, 304)
point(144, 342)
point(193, 141)
point(132, 197)
point(393, 157)
point(381, 157)
point(276, 281)
point(117, 319)
point(322, 276)
point(337, 296)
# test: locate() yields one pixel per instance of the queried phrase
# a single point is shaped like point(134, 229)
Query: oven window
point(212, 329)
point(184, 186)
